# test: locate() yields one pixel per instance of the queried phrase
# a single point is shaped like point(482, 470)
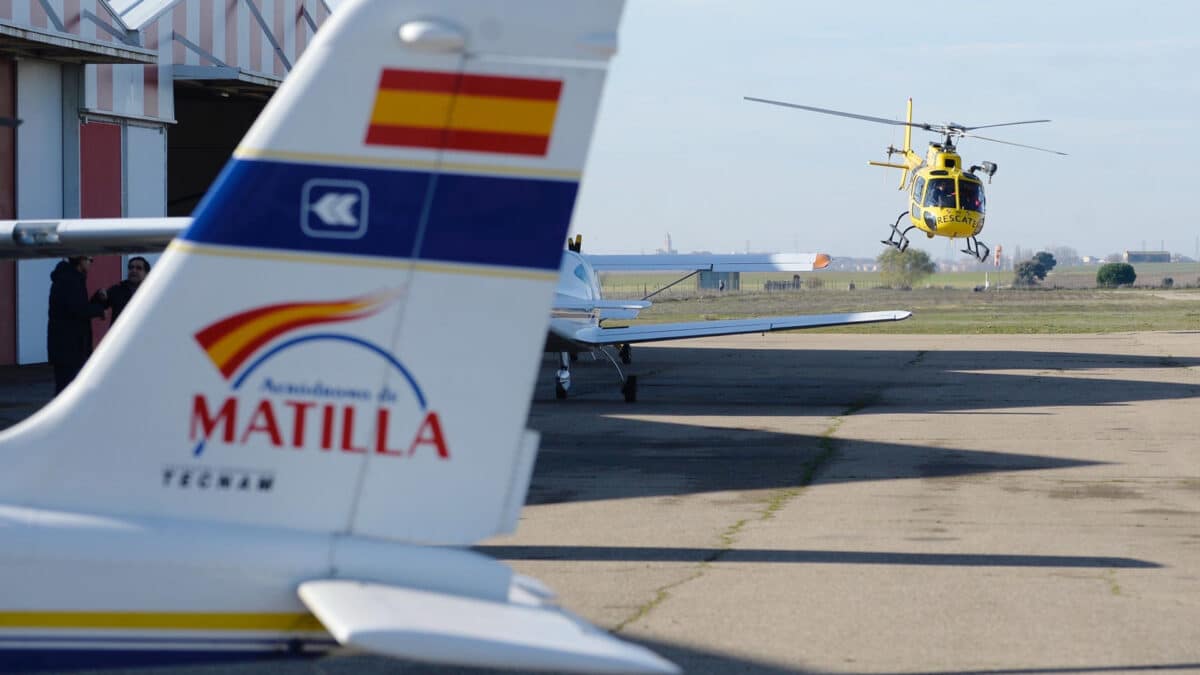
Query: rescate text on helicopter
point(945, 198)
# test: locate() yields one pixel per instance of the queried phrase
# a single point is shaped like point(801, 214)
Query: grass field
point(959, 311)
point(1150, 275)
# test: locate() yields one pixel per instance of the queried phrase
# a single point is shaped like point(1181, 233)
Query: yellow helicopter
point(945, 198)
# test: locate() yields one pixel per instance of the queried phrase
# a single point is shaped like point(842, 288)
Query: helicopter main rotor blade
point(1003, 124)
point(881, 120)
point(1019, 145)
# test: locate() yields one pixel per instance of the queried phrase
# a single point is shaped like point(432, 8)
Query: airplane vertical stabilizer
point(308, 354)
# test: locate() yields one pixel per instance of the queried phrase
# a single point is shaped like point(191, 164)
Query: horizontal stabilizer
point(65, 237)
point(593, 335)
point(703, 262)
point(452, 629)
point(568, 302)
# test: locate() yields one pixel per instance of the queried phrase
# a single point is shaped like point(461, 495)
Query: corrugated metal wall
point(206, 33)
point(8, 210)
point(39, 192)
point(100, 196)
point(116, 165)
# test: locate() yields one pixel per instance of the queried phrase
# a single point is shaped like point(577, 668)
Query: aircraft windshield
point(940, 193)
point(970, 195)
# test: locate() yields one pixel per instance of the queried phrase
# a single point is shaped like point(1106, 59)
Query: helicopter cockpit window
point(918, 188)
point(970, 195)
point(940, 193)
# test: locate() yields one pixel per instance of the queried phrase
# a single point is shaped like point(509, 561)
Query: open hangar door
point(210, 122)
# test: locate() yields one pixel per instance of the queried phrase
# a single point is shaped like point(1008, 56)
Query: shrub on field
point(1028, 273)
point(1111, 275)
point(902, 269)
point(1168, 282)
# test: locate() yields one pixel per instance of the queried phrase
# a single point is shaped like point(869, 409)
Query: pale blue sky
point(677, 150)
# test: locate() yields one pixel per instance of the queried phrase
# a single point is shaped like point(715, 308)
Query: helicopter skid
point(898, 239)
point(977, 249)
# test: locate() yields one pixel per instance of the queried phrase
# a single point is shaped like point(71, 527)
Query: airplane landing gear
point(626, 353)
point(977, 248)
point(562, 382)
point(629, 389)
point(628, 384)
point(898, 239)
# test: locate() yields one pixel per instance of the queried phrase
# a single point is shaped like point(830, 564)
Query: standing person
point(119, 295)
point(69, 331)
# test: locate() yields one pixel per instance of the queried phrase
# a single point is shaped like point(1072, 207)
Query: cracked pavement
point(858, 503)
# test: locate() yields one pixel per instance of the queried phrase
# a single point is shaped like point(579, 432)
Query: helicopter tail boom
point(911, 159)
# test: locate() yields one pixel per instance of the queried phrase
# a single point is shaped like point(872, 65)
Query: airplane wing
point(594, 335)
point(691, 262)
point(523, 633)
point(64, 237)
point(608, 309)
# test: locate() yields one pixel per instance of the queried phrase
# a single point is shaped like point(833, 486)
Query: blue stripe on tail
point(489, 220)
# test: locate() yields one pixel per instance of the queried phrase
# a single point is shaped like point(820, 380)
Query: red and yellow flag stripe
point(457, 111)
point(230, 341)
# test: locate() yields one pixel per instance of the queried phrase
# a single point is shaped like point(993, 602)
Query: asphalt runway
point(862, 503)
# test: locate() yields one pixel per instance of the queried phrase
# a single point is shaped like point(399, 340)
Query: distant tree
point(1028, 273)
point(1111, 275)
point(1046, 259)
point(1065, 255)
point(904, 269)
point(1168, 282)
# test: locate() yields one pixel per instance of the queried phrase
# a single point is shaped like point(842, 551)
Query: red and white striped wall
point(127, 110)
point(258, 37)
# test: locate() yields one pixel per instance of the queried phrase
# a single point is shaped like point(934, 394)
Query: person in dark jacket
point(69, 331)
point(119, 295)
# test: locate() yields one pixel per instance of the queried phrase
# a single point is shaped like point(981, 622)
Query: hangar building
point(113, 108)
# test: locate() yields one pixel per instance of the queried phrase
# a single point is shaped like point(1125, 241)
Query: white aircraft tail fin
point(307, 355)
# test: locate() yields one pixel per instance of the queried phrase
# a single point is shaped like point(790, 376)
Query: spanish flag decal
point(230, 341)
point(457, 111)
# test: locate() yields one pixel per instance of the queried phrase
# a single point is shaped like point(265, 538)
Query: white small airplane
point(278, 448)
point(580, 309)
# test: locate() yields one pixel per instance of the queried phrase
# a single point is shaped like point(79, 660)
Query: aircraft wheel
point(629, 389)
point(560, 392)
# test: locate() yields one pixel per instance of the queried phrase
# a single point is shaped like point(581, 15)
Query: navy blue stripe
point(507, 221)
point(42, 660)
